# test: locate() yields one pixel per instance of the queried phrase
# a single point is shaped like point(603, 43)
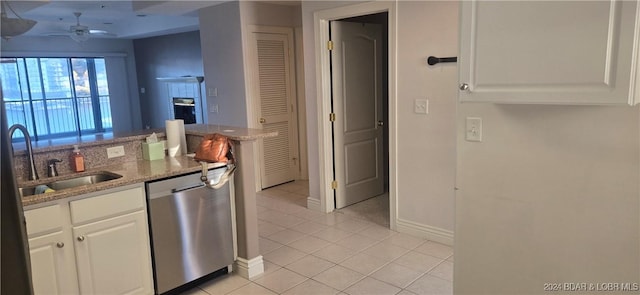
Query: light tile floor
point(344, 252)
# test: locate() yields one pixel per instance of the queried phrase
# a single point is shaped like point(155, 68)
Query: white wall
point(425, 143)
point(550, 195)
point(222, 56)
point(172, 55)
point(125, 108)
point(221, 29)
point(264, 14)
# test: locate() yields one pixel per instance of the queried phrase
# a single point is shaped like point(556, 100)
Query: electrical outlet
point(474, 129)
point(214, 108)
point(421, 106)
point(213, 92)
point(116, 151)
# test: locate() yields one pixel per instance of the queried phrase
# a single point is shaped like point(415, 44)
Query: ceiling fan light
point(79, 36)
point(79, 33)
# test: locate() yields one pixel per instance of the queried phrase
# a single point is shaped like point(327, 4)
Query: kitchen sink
point(94, 178)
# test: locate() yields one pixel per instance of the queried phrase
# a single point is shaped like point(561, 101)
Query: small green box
point(153, 151)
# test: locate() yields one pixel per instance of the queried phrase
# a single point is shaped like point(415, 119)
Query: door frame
point(321, 21)
point(253, 91)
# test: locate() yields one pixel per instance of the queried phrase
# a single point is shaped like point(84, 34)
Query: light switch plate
point(116, 151)
point(421, 106)
point(474, 129)
point(212, 92)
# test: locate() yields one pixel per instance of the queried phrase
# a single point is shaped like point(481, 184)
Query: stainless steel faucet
point(52, 170)
point(33, 174)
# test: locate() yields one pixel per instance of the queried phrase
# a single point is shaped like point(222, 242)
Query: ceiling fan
point(81, 33)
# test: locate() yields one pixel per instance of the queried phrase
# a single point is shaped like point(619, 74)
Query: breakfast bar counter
point(133, 169)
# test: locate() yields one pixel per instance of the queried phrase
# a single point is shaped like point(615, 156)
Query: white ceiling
point(125, 19)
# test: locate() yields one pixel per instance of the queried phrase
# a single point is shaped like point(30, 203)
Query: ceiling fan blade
point(101, 33)
point(54, 34)
point(80, 33)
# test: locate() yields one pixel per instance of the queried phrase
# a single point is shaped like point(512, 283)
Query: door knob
point(380, 123)
point(60, 244)
point(464, 86)
point(81, 238)
point(263, 120)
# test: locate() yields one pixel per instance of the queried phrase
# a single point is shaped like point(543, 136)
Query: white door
point(357, 104)
point(276, 94)
point(52, 268)
point(548, 52)
point(112, 256)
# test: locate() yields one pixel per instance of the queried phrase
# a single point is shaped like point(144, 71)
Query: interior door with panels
point(356, 72)
point(277, 106)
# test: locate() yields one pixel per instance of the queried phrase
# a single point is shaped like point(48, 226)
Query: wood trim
point(302, 104)
point(429, 232)
point(634, 91)
point(323, 83)
point(314, 204)
point(249, 269)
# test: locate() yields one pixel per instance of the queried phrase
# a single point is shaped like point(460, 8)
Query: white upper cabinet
point(550, 52)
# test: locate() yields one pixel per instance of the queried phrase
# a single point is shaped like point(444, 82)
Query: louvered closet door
point(279, 154)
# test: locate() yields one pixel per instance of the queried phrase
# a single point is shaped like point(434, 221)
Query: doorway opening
point(322, 19)
point(359, 104)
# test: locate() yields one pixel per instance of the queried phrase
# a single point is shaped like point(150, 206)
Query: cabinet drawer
point(107, 205)
point(43, 220)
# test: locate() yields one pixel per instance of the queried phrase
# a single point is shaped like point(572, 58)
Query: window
point(56, 97)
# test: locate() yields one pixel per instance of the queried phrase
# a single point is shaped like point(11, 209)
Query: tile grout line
point(327, 222)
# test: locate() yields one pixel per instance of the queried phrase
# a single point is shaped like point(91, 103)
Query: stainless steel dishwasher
point(191, 229)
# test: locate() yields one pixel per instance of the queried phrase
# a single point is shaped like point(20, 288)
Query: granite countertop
point(234, 133)
point(132, 172)
point(49, 145)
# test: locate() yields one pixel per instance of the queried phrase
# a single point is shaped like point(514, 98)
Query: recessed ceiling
point(125, 19)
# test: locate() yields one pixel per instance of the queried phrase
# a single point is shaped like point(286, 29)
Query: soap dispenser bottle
point(77, 159)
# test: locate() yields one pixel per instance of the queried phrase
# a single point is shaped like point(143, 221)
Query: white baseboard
point(249, 269)
point(314, 204)
point(429, 232)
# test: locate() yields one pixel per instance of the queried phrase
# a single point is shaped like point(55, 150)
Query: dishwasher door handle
point(186, 188)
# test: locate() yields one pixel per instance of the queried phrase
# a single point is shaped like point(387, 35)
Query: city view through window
point(56, 97)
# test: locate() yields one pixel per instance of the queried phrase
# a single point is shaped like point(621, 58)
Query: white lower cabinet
point(113, 256)
point(52, 265)
point(92, 244)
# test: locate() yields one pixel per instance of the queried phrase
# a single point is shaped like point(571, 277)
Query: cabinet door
point(52, 267)
point(549, 52)
point(113, 256)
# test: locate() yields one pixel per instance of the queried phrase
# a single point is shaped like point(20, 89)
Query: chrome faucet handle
point(51, 167)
